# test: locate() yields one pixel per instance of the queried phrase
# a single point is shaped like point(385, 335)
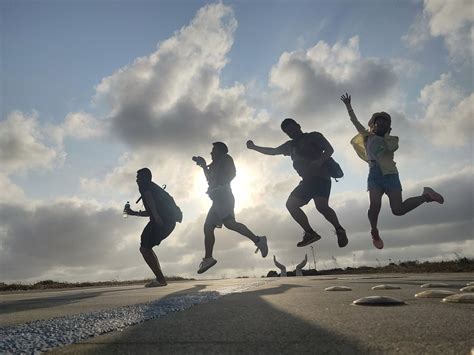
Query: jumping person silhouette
point(376, 146)
point(219, 175)
point(163, 214)
point(310, 153)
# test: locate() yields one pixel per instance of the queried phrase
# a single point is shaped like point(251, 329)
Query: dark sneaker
point(433, 195)
point(206, 264)
point(341, 237)
point(308, 238)
point(262, 246)
point(155, 283)
point(376, 240)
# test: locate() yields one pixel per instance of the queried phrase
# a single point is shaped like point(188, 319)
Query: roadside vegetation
point(50, 284)
point(457, 265)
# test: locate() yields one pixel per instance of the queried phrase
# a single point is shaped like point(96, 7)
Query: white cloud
point(448, 112)
point(309, 83)
point(451, 20)
point(24, 145)
point(82, 125)
point(172, 98)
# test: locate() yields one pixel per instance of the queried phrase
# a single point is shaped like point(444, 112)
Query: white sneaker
point(206, 264)
point(262, 246)
point(155, 283)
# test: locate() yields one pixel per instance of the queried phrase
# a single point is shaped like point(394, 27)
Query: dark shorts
point(313, 187)
point(153, 234)
point(384, 183)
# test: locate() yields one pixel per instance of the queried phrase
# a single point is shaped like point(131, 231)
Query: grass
point(414, 266)
point(458, 265)
point(50, 284)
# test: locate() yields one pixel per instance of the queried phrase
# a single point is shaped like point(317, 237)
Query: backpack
point(334, 169)
point(170, 205)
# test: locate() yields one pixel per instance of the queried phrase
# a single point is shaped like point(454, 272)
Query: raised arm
point(266, 150)
point(347, 101)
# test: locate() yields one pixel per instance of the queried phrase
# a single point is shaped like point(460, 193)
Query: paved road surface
point(277, 315)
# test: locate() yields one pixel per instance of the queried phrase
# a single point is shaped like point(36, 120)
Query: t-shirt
point(374, 146)
point(159, 196)
point(221, 172)
point(304, 150)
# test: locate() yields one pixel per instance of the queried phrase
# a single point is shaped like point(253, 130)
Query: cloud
point(451, 20)
point(448, 112)
point(82, 125)
point(172, 98)
point(308, 83)
point(24, 144)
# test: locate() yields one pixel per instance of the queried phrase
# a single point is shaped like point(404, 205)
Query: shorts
point(384, 183)
point(222, 208)
point(153, 234)
point(312, 187)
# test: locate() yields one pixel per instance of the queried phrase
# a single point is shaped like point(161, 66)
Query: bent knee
point(144, 250)
point(230, 224)
point(397, 211)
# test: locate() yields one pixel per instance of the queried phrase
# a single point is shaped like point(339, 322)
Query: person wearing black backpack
point(163, 213)
point(311, 155)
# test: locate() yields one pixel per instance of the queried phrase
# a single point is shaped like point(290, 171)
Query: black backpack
point(168, 203)
point(334, 169)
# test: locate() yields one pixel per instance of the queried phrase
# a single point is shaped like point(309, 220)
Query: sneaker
point(155, 283)
point(376, 240)
point(433, 195)
point(262, 246)
point(308, 238)
point(206, 264)
point(341, 237)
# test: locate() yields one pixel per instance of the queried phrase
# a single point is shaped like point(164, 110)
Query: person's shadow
point(246, 322)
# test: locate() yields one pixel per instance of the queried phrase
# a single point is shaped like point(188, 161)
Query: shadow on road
point(245, 322)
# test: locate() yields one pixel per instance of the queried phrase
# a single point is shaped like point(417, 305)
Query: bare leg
point(399, 207)
point(152, 261)
point(328, 213)
point(294, 205)
point(209, 239)
point(241, 228)
point(375, 198)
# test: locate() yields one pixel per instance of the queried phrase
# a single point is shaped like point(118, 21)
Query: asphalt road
point(278, 316)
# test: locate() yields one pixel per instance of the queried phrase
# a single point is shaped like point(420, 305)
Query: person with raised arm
point(311, 155)
point(376, 146)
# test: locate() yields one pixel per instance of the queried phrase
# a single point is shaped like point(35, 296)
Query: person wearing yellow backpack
point(376, 146)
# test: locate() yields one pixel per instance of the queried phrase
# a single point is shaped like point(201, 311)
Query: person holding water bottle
point(163, 213)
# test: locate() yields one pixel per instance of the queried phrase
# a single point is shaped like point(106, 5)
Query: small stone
point(385, 287)
point(338, 288)
point(434, 294)
point(378, 301)
point(467, 289)
point(470, 283)
point(434, 284)
point(460, 298)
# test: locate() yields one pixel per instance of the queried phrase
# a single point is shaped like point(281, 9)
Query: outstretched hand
point(250, 144)
point(346, 99)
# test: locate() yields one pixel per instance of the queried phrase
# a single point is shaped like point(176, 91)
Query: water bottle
point(124, 213)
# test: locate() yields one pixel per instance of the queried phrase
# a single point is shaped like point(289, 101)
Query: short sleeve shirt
point(221, 172)
point(304, 150)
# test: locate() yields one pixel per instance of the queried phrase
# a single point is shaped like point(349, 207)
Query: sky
point(92, 91)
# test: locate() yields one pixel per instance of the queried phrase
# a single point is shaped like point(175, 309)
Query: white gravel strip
point(43, 335)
